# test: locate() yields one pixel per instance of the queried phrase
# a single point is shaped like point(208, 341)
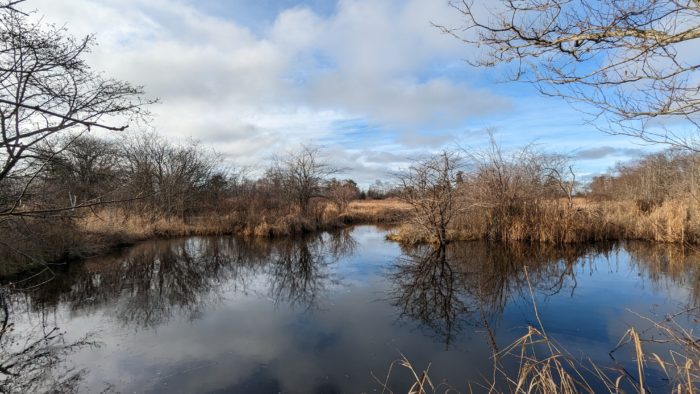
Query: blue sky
point(370, 80)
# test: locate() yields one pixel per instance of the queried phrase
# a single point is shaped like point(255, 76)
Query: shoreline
point(584, 223)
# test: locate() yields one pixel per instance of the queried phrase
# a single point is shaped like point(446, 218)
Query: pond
point(325, 314)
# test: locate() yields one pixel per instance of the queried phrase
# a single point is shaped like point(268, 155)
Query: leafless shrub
point(430, 187)
point(341, 193)
point(301, 174)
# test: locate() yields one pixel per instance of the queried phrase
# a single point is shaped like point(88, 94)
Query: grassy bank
point(38, 241)
point(546, 221)
point(124, 228)
point(585, 220)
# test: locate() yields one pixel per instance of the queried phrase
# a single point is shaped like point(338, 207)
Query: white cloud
point(248, 94)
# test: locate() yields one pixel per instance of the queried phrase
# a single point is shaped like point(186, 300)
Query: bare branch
point(625, 61)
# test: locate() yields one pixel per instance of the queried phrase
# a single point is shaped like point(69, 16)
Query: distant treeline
point(80, 194)
point(650, 180)
point(140, 186)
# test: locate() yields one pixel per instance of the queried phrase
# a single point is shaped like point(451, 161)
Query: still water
point(326, 314)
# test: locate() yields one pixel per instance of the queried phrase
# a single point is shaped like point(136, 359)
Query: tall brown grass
point(251, 221)
point(554, 221)
point(389, 211)
point(35, 241)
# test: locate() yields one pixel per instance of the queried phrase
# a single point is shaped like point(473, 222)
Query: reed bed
point(389, 211)
point(554, 221)
point(251, 221)
point(99, 230)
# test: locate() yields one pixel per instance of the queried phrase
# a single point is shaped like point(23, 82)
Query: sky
point(371, 81)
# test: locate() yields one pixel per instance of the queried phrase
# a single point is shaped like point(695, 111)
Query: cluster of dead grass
point(36, 241)
point(389, 211)
point(125, 227)
point(554, 221)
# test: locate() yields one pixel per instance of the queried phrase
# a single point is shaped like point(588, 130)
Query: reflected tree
point(431, 290)
point(298, 274)
point(470, 283)
point(146, 285)
point(668, 265)
point(151, 283)
point(33, 359)
point(341, 243)
point(300, 270)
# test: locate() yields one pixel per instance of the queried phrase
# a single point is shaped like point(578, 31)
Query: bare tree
point(430, 187)
point(174, 175)
point(86, 169)
point(302, 174)
point(47, 89)
point(627, 59)
point(565, 181)
point(341, 193)
point(11, 5)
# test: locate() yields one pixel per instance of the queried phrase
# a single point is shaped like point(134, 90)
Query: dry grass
point(553, 221)
point(389, 211)
point(35, 243)
point(124, 227)
point(673, 221)
point(117, 226)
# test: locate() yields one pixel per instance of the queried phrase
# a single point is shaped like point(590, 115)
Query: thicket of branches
point(48, 91)
point(651, 180)
point(487, 193)
point(527, 195)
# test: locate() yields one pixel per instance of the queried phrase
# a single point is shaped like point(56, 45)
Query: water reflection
point(299, 274)
point(329, 301)
point(668, 266)
point(34, 358)
point(469, 284)
point(432, 289)
point(300, 270)
point(150, 283)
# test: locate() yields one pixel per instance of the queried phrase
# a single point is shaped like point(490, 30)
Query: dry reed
point(553, 221)
point(389, 211)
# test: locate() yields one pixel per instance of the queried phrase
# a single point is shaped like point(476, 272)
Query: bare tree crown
point(46, 87)
point(629, 60)
point(48, 90)
point(430, 186)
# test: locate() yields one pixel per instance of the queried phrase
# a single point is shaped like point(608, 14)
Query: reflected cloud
point(319, 313)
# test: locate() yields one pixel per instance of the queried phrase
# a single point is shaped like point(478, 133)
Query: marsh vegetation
point(255, 279)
